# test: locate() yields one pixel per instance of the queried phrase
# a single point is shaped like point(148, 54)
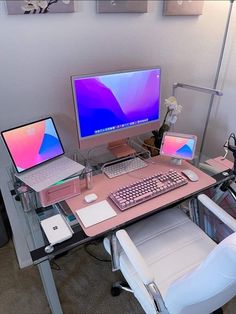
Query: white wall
point(39, 53)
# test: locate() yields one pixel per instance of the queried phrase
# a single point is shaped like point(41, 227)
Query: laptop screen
point(32, 144)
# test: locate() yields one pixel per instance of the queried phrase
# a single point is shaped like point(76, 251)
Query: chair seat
point(163, 240)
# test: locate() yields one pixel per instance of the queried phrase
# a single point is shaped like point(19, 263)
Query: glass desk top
point(36, 241)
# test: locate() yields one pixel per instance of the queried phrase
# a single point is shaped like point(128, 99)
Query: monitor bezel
point(179, 135)
point(111, 136)
point(23, 125)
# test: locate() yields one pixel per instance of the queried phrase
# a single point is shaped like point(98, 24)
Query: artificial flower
point(173, 109)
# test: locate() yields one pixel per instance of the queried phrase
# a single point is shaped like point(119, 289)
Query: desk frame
point(38, 256)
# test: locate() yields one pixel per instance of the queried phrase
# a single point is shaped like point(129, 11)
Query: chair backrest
point(208, 286)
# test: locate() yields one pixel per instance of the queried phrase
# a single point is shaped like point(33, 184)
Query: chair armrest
point(218, 211)
point(135, 257)
point(141, 268)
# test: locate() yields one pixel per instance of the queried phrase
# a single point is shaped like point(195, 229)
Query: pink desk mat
point(104, 185)
point(220, 164)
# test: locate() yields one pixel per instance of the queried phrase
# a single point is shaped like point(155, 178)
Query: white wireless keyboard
point(48, 174)
point(119, 168)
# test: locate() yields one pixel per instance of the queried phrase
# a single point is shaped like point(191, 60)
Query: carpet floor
point(83, 285)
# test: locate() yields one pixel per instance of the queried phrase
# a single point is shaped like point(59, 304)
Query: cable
point(95, 162)
point(54, 265)
point(75, 155)
point(92, 255)
point(148, 145)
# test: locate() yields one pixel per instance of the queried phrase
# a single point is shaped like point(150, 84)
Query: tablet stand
point(176, 161)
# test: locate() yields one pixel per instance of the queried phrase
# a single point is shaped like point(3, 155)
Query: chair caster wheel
point(115, 291)
point(219, 311)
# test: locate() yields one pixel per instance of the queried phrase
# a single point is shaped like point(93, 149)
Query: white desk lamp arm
point(141, 268)
point(212, 92)
point(218, 211)
point(201, 89)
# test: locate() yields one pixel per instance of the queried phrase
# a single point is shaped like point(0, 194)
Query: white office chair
point(173, 267)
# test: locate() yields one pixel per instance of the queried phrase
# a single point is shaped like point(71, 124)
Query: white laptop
point(38, 155)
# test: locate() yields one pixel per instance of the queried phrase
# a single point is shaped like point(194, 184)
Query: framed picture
point(39, 6)
point(122, 6)
point(183, 7)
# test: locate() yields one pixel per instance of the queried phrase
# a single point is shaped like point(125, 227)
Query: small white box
point(56, 229)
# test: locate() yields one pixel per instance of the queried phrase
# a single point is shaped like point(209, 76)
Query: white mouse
point(191, 175)
point(89, 198)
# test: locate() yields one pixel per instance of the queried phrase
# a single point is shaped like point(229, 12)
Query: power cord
point(54, 265)
point(147, 145)
point(86, 248)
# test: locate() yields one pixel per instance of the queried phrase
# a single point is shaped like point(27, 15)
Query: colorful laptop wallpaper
point(119, 100)
point(178, 147)
point(33, 144)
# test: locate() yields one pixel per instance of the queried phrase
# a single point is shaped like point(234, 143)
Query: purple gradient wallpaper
point(32, 144)
point(111, 102)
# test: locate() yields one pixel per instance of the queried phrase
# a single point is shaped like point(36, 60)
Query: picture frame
point(122, 6)
point(15, 7)
point(182, 7)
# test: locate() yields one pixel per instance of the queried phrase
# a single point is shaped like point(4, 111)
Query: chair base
point(118, 286)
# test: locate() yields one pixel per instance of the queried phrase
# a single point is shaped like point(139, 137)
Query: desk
point(30, 242)
point(103, 185)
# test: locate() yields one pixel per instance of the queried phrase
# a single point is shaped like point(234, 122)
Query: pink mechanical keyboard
point(147, 188)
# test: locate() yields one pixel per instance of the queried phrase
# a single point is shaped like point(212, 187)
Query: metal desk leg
point(50, 287)
point(114, 252)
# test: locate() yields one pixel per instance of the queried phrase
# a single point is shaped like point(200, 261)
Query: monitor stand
point(176, 161)
point(120, 148)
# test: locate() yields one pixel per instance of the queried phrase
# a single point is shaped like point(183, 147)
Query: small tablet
point(177, 145)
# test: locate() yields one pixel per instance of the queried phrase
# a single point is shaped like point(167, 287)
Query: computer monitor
point(115, 106)
point(178, 146)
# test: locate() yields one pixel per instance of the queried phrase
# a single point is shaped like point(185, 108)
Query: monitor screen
point(181, 146)
point(113, 106)
point(32, 144)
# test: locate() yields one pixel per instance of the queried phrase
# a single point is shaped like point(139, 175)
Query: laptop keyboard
point(48, 174)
